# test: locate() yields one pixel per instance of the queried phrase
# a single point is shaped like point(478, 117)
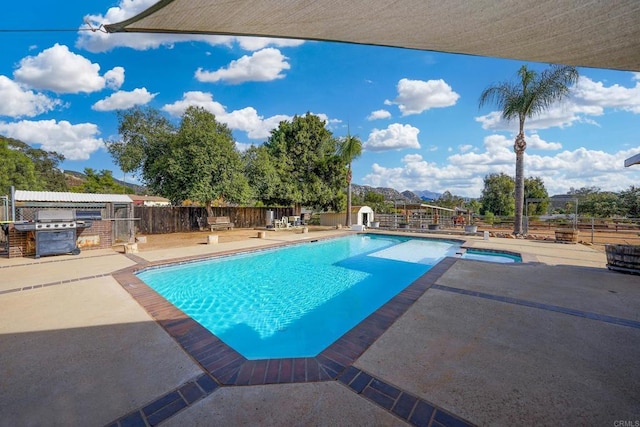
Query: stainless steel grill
point(55, 219)
point(55, 232)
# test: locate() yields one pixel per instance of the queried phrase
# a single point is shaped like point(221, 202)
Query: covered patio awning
point(587, 33)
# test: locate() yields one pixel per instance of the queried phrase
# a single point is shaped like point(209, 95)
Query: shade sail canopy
point(589, 33)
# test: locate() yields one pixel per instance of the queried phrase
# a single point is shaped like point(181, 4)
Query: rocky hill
point(391, 194)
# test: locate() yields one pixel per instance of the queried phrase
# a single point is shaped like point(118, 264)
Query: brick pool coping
point(224, 366)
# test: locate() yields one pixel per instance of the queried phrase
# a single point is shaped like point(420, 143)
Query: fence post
point(593, 225)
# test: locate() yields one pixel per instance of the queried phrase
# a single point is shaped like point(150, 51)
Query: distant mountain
point(428, 195)
point(413, 197)
point(391, 194)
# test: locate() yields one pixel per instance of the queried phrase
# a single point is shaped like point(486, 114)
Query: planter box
point(470, 228)
point(434, 226)
point(567, 235)
point(623, 258)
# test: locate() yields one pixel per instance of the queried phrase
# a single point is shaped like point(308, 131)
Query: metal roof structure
point(64, 197)
point(424, 205)
point(586, 33)
point(633, 160)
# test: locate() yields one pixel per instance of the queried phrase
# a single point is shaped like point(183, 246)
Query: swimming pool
point(296, 301)
point(491, 256)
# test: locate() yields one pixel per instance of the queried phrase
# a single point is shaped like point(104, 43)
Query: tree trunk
point(519, 147)
point(348, 224)
point(348, 221)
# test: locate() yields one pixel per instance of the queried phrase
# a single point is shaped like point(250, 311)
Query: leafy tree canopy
point(498, 195)
point(630, 201)
point(261, 172)
point(593, 202)
point(309, 172)
point(28, 168)
point(196, 161)
point(450, 201)
point(534, 189)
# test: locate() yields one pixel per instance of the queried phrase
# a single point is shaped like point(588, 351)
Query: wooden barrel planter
point(624, 258)
point(567, 235)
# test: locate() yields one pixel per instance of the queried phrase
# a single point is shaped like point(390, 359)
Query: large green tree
point(145, 140)
point(594, 202)
point(262, 174)
point(528, 96)
point(16, 169)
point(630, 202)
point(450, 201)
point(43, 173)
point(498, 195)
point(349, 149)
point(536, 196)
point(196, 161)
point(310, 173)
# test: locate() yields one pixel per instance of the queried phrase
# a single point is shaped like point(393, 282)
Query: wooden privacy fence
point(179, 219)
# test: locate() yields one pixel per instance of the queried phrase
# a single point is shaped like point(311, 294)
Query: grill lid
point(54, 215)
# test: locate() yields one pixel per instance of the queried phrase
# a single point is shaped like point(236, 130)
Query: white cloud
point(18, 101)
point(75, 142)
point(98, 41)
point(264, 65)
point(114, 78)
point(245, 119)
point(379, 114)
point(257, 43)
point(463, 173)
point(588, 92)
point(465, 147)
point(196, 99)
point(122, 100)
point(243, 146)
point(587, 99)
point(248, 120)
point(416, 96)
point(534, 142)
point(59, 70)
point(395, 137)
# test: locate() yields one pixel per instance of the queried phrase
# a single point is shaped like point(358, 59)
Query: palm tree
point(350, 149)
point(530, 95)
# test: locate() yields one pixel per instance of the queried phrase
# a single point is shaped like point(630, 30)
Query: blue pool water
point(490, 256)
point(296, 301)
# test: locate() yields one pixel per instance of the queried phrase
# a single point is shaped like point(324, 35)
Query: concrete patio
point(553, 340)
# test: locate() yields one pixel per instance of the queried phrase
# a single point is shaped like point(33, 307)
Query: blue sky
point(416, 112)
